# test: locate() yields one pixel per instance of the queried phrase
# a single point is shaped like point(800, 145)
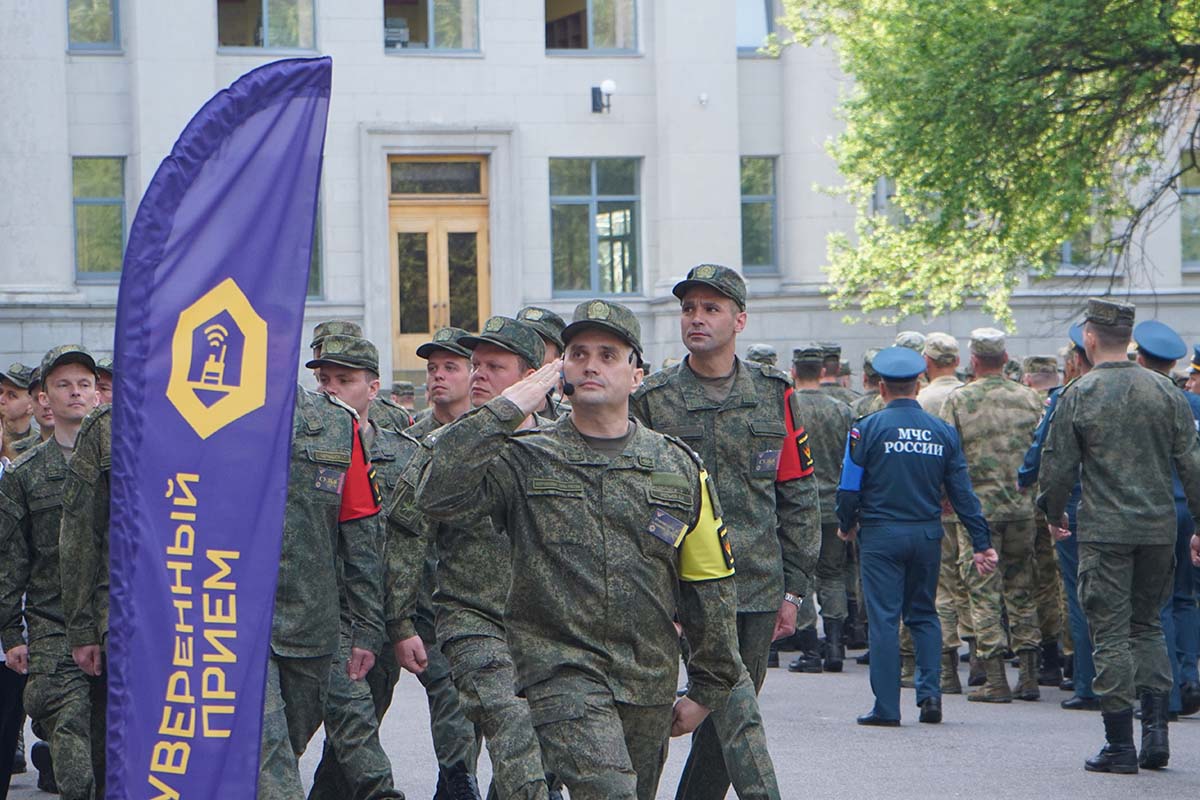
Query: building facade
point(481, 155)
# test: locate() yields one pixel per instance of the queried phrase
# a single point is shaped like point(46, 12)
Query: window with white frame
point(594, 225)
point(92, 25)
point(758, 214)
point(267, 24)
point(422, 25)
point(98, 196)
point(605, 26)
point(1189, 215)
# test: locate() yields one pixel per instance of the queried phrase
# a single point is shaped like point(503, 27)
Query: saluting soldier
point(898, 464)
point(616, 529)
point(549, 326)
point(1127, 527)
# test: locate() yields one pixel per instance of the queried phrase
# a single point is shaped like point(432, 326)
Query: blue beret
point(1196, 359)
point(1156, 339)
point(898, 364)
point(1076, 334)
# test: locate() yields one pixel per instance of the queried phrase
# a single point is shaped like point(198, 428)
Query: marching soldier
point(16, 408)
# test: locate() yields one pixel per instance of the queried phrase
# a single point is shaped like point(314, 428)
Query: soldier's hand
point(529, 393)
point(410, 654)
point(985, 562)
point(1195, 550)
point(17, 659)
point(360, 663)
point(847, 536)
point(785, 621)
point(87, 658)
point(687, 716)
point(1062, 530)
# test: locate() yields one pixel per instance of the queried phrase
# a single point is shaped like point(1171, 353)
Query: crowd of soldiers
point(690, 511)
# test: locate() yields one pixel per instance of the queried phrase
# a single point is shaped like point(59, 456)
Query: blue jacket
point(898, 462)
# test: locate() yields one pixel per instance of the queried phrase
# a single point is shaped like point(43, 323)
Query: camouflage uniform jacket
point(867, 404)
point(30, 513)
point(597, 589)
point(83, 535)
point(933, 396)
point(410, 559)
point(311, 585)
point(995, 419)
point(839, 392)
point(740, 443)
point(27, 443)
point(1127, 426)
point(828, 422)
point(389, 416)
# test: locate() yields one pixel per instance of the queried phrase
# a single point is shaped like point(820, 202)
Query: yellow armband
point(705, 553)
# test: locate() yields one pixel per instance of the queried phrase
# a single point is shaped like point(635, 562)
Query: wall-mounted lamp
point(602, 96)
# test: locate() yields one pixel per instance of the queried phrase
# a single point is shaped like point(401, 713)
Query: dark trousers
point(900, 574)
point(1180, 618)
point(1081, 637)
point(12, 717)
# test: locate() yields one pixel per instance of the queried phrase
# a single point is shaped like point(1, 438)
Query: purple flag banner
point(208, 337)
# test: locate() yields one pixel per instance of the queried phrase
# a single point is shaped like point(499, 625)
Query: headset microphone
point(567, 386)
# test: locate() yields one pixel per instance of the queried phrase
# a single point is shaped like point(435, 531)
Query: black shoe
point(788, 644)
point(1077, 703)
point(879, 722)
point(773, 658)
point(19, 766)
point(1156, 749)
point(456, 783)
point(1189, 696)
point(1067, 685)
point(806, 662)
point(864, 659)
point(835, 654)
point(1118, 754)
point(931, 710)
point(39, 754)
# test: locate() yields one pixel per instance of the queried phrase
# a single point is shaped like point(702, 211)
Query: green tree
point(1005, 128)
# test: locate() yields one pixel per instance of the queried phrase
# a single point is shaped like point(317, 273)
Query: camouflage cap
point(610, 316)
point(1040, 364)
point(844, 368)
point(508, 334)
point(1012, 370)
point(18, 375)
point(105, 365)
point(404, 389)
point(810, 353)
point(987, 342)
point(913, 340)
point(762, 353)
point(335, 327)
point(66, 354)
point(1109, 312)
point(940, 348)
point(548, 324)
point(354, 352)
point(830, 350)
point(868, 359)
point(448, 339)
point(1195, 359)
point(723, 279)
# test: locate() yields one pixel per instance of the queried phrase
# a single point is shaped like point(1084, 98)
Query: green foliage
point(1007, 127)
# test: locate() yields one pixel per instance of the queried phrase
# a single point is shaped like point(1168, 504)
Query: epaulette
point(770, 370)
point(27, 443)
point(657, 380)
point(94, 415)
point(29, 454)
point(675, 440)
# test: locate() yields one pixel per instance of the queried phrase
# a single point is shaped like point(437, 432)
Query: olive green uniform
point(1119, 430)
point(776, 532)
point(589, 614)
point(83, 536)
point(65, 704)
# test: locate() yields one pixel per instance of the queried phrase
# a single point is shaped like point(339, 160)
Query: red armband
point(795, 461)
point(360, 493)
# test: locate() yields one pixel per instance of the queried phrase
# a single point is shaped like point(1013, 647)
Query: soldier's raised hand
point(529, 393)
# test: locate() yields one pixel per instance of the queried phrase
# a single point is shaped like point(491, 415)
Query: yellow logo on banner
point(218, 360)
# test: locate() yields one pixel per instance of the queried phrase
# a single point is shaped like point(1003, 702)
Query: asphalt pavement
point(1022, 750)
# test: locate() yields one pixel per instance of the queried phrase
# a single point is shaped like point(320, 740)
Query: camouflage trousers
point(831, 574)
point(353, 764)
point(67, 707)
point(293, 708)
point(1047, 584)
point(600, 749)
point(953, 604)
point(1009, 587)
point(482, 668)
point(1122, 589)
point(730, 746)
point(456, 739)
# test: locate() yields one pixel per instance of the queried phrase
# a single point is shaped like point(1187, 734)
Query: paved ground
point(1024, 750)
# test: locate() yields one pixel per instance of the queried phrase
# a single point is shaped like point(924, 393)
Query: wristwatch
point(795, 600)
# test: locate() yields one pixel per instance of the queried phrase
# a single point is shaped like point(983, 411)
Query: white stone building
point(466, 172)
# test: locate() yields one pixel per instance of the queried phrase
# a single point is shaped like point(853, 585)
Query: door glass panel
point(413, 270)
point(463, 259)
point(437, 177)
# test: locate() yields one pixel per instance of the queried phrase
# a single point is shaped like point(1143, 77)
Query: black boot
point(1156, 750)
point(1050, 670)
point(456, 783)
point(1189, 697)
point(554, 786)
point(835, 653)
point(809, 659)
point(773, 656)
point(1118, 754)
point(39, 754)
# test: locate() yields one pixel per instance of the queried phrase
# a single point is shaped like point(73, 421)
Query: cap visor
point(426, 350)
